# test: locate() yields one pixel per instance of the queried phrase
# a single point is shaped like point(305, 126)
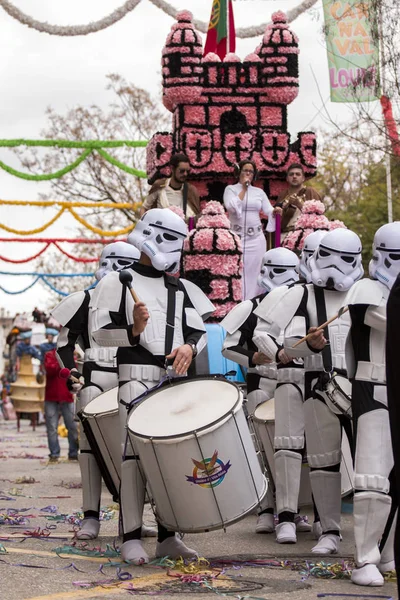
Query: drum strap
point(322, 317)
point(172, 287)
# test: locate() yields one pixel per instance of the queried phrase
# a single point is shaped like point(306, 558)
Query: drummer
point(166, 323)
point(99, 375)
point(279, 268)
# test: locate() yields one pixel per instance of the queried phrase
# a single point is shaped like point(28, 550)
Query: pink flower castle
point(212, 258)
point(227, 111)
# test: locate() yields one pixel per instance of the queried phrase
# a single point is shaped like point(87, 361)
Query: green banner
point(353, 50)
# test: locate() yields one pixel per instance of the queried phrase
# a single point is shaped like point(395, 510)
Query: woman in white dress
point(244, 202)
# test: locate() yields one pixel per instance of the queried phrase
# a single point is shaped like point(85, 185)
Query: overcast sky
point(38, 70)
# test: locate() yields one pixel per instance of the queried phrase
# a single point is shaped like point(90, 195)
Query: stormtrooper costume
point(75, 315)
point(175, 322)
point(311, 243)
point(278, 268)
point(289, 441)
point(334, 266)
point(366, 363)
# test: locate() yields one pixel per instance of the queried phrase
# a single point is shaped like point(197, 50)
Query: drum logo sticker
point(210, 472)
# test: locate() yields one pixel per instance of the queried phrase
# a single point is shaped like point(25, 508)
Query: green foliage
point(368, 211)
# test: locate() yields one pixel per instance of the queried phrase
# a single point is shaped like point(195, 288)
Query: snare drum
point(101, 425)
point(264, 427)
point(197, 454)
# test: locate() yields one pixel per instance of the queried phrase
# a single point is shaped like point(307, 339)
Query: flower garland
point(19, 261)
point(90, 146)
point(43, 277)
point(66, 203)
point(80, 219)
point(122, 11)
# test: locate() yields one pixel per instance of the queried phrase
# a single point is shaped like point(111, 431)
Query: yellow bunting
point(32, 231)
point(97, 229)
point(77, 217)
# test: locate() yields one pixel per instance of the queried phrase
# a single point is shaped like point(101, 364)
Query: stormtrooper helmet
point(311, 243)
point(115, 257)
point(336, 263)
point(385, 263)
point(279, 267)
point(160, 234)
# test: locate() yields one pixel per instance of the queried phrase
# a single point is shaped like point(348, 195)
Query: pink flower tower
point(213, 259)
point(311, 219)
point(226, 111)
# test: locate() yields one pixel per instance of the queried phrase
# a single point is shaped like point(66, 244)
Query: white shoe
point(316, 529)
point(265, 523)
point(385, 567)
point(367, 575)
point(328, 543)
point(174, 548)
point(89, 529)
point(148, 531)
point(302, 524)
point(134, 553)
point(286, 533)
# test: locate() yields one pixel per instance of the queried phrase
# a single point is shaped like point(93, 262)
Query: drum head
point(265, 411)
point(184, 407)
point(105, 402)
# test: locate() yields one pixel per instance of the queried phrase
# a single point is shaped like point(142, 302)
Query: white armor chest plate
point(338, 330)
point(155, 295)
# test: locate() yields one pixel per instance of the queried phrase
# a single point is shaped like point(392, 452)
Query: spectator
point(174, 190)
point(58, 400)
point(25, 347)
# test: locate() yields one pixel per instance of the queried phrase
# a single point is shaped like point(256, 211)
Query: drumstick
point(126, 279)
point(66, 374)
point(305, 338)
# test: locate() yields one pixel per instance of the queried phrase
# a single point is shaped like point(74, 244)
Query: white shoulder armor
point(107, 293)
point(365, 291)
point(237, 316)
point(279, 306)
point(198, 298)
point(65, 310)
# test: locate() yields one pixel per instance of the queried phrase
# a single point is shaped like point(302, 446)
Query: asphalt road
point(37, 560)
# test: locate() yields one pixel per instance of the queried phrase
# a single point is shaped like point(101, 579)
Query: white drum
point(197, 454)
point(264, 427)
point(101, 425)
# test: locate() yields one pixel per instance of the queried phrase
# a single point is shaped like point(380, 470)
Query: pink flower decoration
point(231, 57)
point(184, 15)
point(203, 240)
point(336, 224)
point(220, 289)
point(313, 206)
point(225, 241)
point(211, 57)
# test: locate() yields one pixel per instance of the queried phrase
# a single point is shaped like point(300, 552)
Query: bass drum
point(101, 425)
point(197, 455)
point(264, 427)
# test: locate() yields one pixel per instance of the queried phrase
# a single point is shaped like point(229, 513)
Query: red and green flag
point(221, 37)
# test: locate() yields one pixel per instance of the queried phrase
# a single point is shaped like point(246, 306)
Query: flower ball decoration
point(212, 259)
point(311, 219)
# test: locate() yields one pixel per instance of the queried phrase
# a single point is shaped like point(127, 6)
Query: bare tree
point(131, 115)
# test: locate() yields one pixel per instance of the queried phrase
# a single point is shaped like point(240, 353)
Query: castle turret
point(182, 68)
point(279, 52)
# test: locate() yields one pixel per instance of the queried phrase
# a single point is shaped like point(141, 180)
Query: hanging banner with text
point(353, 50)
